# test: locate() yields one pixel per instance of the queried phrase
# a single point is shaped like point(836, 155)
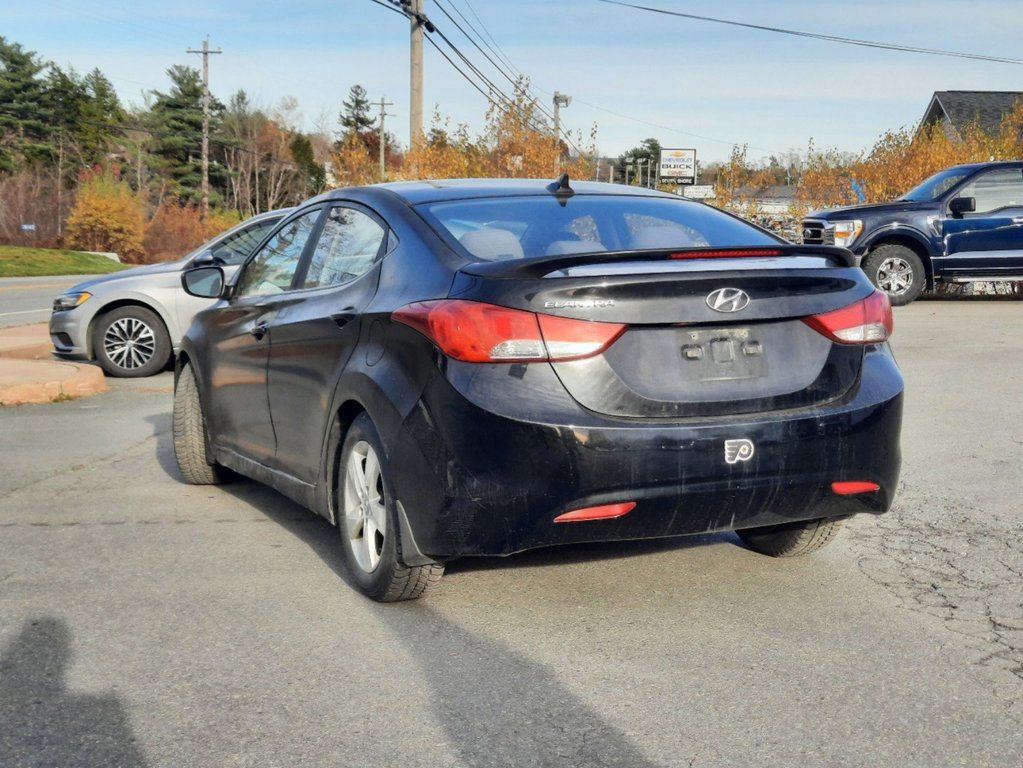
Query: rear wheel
point(792, 539)
point(190, 444)
point(896, 270)
point(131, 342)
point(367, 520)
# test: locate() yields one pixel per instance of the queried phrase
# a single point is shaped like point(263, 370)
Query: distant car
point(452, 368)
point(131, 322)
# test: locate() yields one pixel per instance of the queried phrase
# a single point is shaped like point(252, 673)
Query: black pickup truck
point(963, 224)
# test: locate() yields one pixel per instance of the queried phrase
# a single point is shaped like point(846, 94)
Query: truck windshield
point(937, 185)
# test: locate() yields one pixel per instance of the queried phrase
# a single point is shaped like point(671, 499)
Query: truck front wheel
point(896, 270)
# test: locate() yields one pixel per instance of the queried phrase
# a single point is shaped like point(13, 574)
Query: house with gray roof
point(955, 111)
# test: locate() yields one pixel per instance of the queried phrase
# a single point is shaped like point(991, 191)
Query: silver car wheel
point(365, 516)
point(129, 343)
point(895, 276)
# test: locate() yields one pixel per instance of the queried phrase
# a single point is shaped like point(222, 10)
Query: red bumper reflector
point(605, 512)
point(851, 487)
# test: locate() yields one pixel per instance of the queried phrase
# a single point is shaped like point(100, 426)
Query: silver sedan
point(131, 322)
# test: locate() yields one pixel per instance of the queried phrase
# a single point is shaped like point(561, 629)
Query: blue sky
point(633, 74)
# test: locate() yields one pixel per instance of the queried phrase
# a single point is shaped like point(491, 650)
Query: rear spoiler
point(538, 266)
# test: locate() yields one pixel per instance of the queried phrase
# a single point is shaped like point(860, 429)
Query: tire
point(368, 522)
point(131, 342)
point(792, 539)
point(190, 443)
point(897, 271)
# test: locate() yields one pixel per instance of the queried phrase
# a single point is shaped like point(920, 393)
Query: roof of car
point(990, 164)
point(434, 190)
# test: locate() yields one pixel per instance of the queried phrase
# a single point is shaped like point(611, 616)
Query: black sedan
point(479, 367)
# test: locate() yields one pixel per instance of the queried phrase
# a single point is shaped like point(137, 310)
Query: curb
point(29, 374)
point(24, 382)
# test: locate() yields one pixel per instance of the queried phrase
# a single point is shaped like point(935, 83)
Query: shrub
point(107, 216)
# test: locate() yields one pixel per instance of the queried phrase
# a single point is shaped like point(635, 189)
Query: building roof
point(962, 108)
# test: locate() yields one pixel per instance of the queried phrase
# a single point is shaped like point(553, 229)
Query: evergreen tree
point(354, 118)
point(85, 113)
point(175, 120)
point(312, 175)
point(24, 120)
point(646, 156)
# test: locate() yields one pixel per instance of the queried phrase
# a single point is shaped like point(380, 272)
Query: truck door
point(989, 241)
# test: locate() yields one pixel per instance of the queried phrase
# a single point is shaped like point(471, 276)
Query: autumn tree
point(107, 216)
point(901, 159)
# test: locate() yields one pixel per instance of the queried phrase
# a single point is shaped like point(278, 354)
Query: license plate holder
point(723, 354)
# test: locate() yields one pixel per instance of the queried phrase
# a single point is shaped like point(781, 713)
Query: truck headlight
point(68, 301)
point(847, 231)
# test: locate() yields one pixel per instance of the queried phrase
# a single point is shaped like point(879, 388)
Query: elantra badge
point(738, 450)
point(728, 300)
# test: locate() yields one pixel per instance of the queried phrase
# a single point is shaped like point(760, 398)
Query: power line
point(494, 94)
point(498, 52)
point(817, 36)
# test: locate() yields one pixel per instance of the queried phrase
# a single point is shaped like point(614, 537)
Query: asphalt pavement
point(145, 622)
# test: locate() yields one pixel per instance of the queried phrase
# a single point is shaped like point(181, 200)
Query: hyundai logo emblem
point(728, 300)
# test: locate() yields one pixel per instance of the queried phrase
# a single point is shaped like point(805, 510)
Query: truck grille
point(817, 232)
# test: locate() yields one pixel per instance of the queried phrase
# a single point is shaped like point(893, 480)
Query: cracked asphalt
point(144, 622)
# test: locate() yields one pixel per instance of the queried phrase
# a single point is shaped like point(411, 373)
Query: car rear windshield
point(493, 229)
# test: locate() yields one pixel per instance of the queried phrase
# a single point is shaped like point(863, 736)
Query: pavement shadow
point(162, 425)
point(499, 708)
point(44, 724)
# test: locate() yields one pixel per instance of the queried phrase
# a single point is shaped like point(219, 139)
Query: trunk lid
point(681, 356)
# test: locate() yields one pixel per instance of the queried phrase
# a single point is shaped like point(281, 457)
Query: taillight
point(475, 332)
point(866, 322)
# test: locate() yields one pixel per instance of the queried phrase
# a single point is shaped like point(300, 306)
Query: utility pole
point(415, 14)
point(560, 100)
point(383, 137)
point(205, 52)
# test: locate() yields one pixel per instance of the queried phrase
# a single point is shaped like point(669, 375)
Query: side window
point(997, 189)
point(236, 248)
point(273, 268)
point(348, 246)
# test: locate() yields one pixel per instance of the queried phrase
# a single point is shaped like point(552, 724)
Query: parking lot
point(144, 622)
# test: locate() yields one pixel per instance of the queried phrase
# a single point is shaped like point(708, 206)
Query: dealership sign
point(678, 164)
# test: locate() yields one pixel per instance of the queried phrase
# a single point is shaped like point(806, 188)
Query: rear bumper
point(476, 479)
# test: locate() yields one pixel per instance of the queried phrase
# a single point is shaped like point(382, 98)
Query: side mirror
point(960, 205)
point(204, 282)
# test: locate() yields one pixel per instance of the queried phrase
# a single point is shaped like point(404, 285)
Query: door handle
point(342, 318)
point(259, 330)
point(1017, 219)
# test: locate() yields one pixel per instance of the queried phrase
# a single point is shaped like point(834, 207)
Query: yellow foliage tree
point(107, 216)
point(445, 154)
point(517, 143)
point(353, 165)
point(902, 159)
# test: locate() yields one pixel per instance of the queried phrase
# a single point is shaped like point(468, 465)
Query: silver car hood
point(164, 267)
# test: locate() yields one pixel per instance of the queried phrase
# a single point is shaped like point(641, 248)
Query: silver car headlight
point(68, 301)
point(847, 231)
